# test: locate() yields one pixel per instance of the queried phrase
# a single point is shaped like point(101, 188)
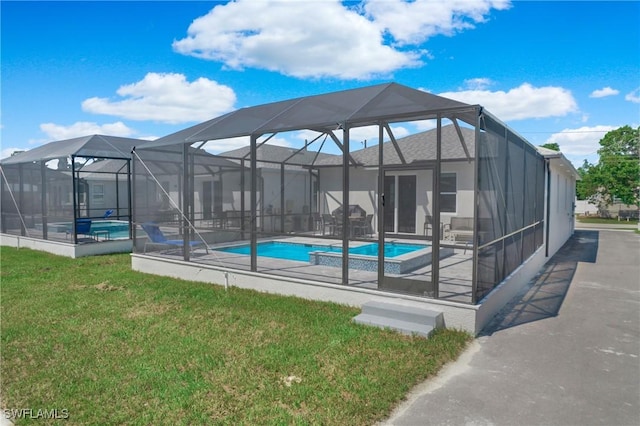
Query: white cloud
point(605, 91)
point(413, 22)
point(633, 96)
point(522, 102)
point(477, 83)
point(311, 39)
point(58, 132)
point(581, 141)
point(357, 136)
point(167, 98)
point(223, 145)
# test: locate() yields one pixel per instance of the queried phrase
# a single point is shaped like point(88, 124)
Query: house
point(461, 214)
point(413, 181)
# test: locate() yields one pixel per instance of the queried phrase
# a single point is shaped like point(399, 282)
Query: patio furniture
point(316, 222)
point(107, 214)
point(459, 229)
point(157, 237)
point(83, 227)
point(428, 226)
point(363, 227)
point(105, 233)
point(328, 222)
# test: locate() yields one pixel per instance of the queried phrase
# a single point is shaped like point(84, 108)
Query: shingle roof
point(416, 147)
point(270, 156)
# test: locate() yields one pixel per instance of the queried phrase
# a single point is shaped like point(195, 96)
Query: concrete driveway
point(565, 352)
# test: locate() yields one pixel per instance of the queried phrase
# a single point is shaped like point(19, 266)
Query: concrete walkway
point(565, 352)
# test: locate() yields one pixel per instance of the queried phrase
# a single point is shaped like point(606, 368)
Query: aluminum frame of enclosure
point(505, 228)
point(62, 187)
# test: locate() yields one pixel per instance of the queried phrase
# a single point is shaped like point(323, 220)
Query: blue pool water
point(118, 229)
point(300, 252)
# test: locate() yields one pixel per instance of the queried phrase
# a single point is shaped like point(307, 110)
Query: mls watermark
point(30, 413)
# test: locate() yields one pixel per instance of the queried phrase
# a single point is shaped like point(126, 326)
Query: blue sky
point(564, 72)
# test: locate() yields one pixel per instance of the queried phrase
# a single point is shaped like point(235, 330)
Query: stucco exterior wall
point(562, 190)
point(363, 190)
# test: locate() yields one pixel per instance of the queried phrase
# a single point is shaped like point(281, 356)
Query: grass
point(607, 221)
point(115, 346)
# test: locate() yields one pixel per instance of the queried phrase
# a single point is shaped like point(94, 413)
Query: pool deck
point(455, 269)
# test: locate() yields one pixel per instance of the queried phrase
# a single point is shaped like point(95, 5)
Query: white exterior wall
point(465, 185)
point(67, 249)
point(561, 213)
point(364, 183)
point(109, 199)
point(296, 190)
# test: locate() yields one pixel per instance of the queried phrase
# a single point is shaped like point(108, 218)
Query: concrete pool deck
point(455, 267)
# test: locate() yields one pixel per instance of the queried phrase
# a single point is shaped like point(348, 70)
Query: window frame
point(454, 193)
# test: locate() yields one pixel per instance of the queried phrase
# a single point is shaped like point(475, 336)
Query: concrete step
point(403, 318)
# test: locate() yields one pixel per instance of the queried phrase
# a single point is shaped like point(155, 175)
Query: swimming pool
point(114, 229)
point(117, 228)
point(282, 250)
point(301, 252)
point(399, 257)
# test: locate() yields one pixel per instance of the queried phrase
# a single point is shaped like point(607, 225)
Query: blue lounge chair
point(83, 227)
point(107, 214)
point(157, 237)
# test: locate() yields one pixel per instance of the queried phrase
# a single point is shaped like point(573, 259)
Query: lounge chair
point(157, 237)
point(107, 214)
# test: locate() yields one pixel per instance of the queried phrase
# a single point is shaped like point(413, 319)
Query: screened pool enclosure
point(75, 191)
point(446, 213)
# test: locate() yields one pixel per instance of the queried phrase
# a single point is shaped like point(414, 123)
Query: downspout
point(547, 223)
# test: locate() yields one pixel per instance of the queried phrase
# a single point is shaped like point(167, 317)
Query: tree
point(617, 174)
point(587, 186)
point(552, 146)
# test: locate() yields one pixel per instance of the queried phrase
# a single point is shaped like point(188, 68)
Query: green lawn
point(607, 221)
point(114, 346)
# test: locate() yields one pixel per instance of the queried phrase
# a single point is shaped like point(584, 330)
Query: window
point(165, 203)
point(448, 185)
point(98, 194)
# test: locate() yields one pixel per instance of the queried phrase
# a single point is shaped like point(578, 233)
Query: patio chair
point(329, 222)
point(157, 237)
point(364, 227)
point(428, 226)
point(107, 214)
point(83, 227)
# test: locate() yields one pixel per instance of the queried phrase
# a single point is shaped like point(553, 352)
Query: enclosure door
point(400, 203)
point(403, 264)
